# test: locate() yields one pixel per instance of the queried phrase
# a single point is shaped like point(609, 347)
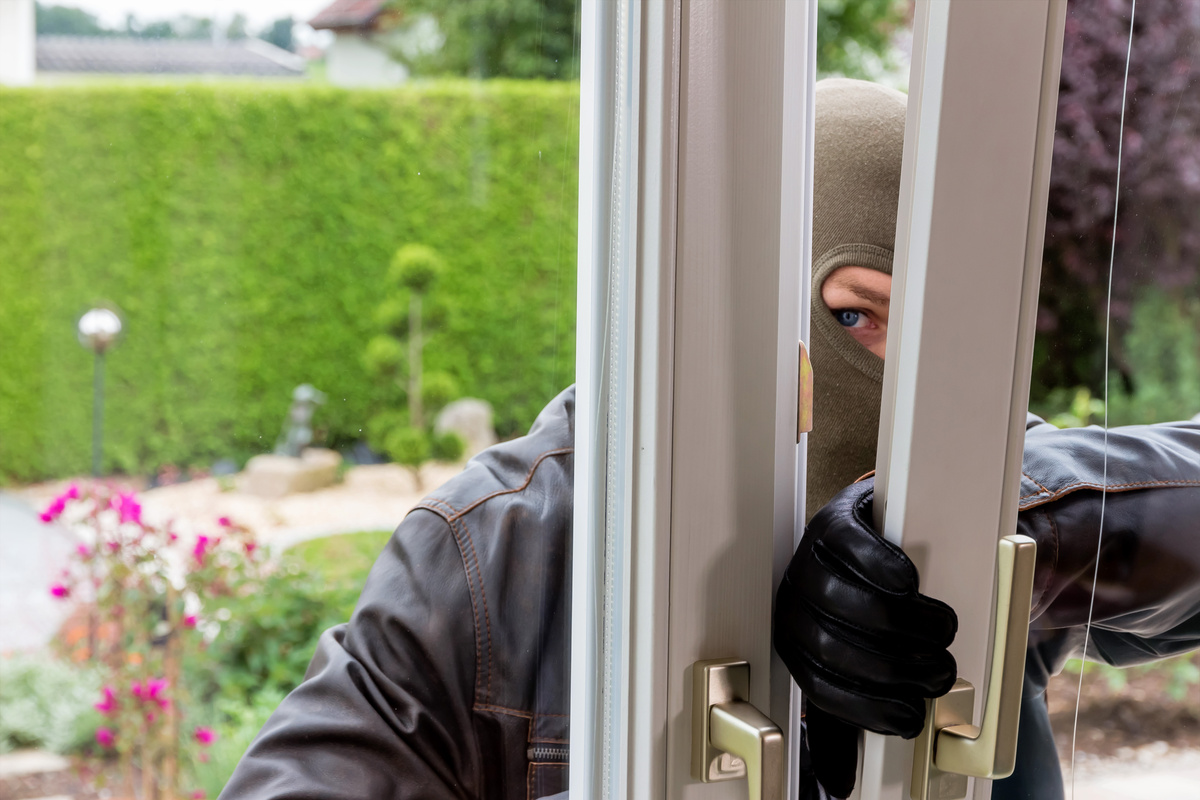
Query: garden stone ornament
point(297, 427)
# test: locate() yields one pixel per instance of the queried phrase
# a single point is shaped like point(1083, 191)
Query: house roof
point(347, 14)
point(110, 54)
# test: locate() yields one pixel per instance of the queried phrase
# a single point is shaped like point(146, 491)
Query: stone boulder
point(471, 419)
point(275, 476)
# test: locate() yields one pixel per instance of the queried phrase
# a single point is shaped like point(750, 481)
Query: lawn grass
point(343, 560)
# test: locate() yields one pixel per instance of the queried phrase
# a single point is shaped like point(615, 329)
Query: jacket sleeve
point(1141, 486)
point(386, 708)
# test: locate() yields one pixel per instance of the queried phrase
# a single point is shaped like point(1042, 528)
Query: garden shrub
point(245, 232)
point(46, 703)
point(1162, 349)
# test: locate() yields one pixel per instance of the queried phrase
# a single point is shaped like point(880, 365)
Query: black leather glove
point(864, 645)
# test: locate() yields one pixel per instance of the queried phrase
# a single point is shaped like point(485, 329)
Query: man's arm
point(1141, 484)
point(386, 708)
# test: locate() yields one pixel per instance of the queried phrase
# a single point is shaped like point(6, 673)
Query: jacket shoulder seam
point(1046, 496)
point(456, 513)
point(430, 504)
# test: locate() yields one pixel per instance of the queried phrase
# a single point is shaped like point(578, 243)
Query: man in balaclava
point(859, 146)
point(864, 645)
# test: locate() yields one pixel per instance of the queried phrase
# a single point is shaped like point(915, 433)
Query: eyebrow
point(863, 293)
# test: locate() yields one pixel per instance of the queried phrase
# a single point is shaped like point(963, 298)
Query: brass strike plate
point(722, 680)
point(804, 395)
point(928, 782)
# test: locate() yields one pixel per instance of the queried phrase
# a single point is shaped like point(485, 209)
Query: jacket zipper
point(547, 753)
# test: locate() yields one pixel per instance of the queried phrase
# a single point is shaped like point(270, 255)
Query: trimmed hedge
point(245, 234)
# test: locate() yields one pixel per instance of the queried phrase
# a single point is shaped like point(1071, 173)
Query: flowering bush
point(160, 600)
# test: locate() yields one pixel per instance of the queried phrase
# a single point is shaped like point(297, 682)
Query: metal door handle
point(731, 738)
point(951, 748)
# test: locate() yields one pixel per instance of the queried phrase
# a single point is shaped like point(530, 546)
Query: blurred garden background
point(401, 246)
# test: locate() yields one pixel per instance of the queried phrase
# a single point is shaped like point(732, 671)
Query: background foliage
point(244, 234)
point(1158, 233)
point(855, 37)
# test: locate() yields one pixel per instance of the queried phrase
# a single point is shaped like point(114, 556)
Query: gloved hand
point(865, 647)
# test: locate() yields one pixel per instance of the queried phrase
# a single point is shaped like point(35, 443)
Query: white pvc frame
point(629, 199)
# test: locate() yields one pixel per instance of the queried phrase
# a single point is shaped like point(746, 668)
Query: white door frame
point(970, 230)
point(694, 220)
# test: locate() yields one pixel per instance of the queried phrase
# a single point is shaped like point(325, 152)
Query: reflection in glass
point(377, 282)
point(1124, 346)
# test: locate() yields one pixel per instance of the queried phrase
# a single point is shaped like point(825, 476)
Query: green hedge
point(245, 233)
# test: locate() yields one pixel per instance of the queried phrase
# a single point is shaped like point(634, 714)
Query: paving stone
point(31, 762)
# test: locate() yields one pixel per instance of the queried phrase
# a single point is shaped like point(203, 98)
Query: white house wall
point(16, 42)
point(357, 61)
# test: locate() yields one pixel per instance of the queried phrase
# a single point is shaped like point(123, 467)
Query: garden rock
point(275, 476)
point(471, 419)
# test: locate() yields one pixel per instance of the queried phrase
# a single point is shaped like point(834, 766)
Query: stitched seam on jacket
point(533, 767)
point(1112, 488)
point(470, 590)
point(529, 763)
point(513, 712)
point(483, 599)
point(1035, 483)
point(528, 479)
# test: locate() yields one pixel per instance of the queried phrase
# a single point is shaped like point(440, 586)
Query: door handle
point(950, 748)
point(731, 738)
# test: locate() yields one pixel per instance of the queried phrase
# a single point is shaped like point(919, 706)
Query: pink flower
point(60, 591)
point(225, 522)
point(105, 737)
point(72, 492)
point(251, 547)
point(198, 794)
point(171, 537)
point(109, 703)
point(84, 551)
point(128, 508)
point(137, 690)
point(201, 548)
point(56, 508)
point(205, 735)
point(151, 716)
point(114, 546)
point(189, 621)
point(156, 687)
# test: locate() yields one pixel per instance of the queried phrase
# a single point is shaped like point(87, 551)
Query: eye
point(849, 318)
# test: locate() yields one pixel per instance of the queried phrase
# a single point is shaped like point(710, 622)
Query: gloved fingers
point(843, 527)
point(833, 745)
point(896, 715)
point(804, 642)
point(833, 590)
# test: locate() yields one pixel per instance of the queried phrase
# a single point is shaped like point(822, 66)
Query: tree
point(500, 38)
point(398, 355)
point(236, 29)
point(854, 37)
point(540, 38)
point(189, 27)
point(65, 21)
point(1158, 233)
point(279, 33)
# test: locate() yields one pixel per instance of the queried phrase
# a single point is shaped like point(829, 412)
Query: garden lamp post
point(98, 330)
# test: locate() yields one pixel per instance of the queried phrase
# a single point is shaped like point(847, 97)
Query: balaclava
point(856, 188)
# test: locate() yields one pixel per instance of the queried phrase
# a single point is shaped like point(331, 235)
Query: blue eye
point(847, 318)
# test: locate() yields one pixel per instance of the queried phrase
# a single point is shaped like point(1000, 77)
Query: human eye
point(850, 318)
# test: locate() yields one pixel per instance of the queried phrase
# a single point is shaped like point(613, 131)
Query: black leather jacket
point(451, 678)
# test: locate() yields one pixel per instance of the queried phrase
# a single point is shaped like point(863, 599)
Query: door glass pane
point(339, 241)
point(1120, 322)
